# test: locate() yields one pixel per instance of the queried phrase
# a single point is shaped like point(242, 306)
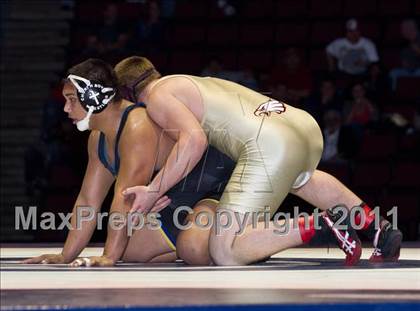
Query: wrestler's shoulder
point(138, 124)
point(170, 83)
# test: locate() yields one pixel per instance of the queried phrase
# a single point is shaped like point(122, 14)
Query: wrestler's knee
point(193, 243)
point(193, 251)
point(221, 251)
point(140, 257)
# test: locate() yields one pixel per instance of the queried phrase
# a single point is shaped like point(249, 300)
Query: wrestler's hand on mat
point(93, 261)
point(144, 198)
point(46, 259)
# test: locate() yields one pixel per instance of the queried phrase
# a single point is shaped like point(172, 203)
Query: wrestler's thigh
point(262, 179)
point(193, 244)
point(147, 245)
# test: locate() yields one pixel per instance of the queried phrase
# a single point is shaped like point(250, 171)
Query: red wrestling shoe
point(345, 236)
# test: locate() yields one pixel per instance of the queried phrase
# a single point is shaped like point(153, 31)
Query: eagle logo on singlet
point(270, 106)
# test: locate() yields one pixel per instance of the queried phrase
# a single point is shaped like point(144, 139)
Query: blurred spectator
point(226, 7)
point(113, 34)
point(167, 8)
point(292, 80)
point(376, 83)
point(93, 47)
point(215, 68)
point(352, 54)
point(410, 55)
point(332, 122)
point(360, 111)
point(111, 38)
point(326, 98)
point(150, 31)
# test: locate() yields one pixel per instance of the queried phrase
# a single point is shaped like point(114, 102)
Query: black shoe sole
point(392, 252)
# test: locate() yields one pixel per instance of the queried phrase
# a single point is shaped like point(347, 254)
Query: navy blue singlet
point(102, 153)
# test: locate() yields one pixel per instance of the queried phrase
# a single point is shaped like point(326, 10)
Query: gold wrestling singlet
point(276, 147)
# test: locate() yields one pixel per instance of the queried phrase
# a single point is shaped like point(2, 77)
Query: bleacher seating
point(260, 34)
point(392, 35)
point(258, 59)
point(291, 8)
point(371, 175)
point(325, 32)
point(407, 213)
point(358, 8)
point(405, 175)
point(257, 8)
point(185, 35)
point(408, 88)
point(380, 147)
point(390, 57)
point(324, 8)
point(292, 34)
point(222, 34)
point(191, 8)
point(388, 7)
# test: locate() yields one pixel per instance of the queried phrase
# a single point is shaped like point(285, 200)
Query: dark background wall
point(277, 47)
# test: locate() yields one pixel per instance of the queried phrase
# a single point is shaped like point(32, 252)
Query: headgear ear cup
point(94, 98)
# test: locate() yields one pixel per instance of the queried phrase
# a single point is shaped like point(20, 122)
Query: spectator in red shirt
point(360, 111)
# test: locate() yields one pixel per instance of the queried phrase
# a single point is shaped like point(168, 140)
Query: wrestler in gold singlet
point(276, 146)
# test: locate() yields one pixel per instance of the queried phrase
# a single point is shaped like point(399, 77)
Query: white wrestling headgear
point(93, 96)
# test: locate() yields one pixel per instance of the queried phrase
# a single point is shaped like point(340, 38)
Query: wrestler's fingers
point(45, 261)
point(160, 206)
point(77, 262)
point(135, 218)
point(89, 262)
point(135, 208)
point(129, 190)
point(33, 260)
point(165, 203)
point(85, 261)
point(161, 199)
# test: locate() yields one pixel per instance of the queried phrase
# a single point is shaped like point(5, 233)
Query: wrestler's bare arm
point(137, 158)
point(183, 127)
point(95, 186)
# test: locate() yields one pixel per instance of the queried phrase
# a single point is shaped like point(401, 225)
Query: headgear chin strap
point(83, 124)
point(94, 98)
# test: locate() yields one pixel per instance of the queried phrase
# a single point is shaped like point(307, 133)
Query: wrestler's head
point(134, 74)
point(89, 88)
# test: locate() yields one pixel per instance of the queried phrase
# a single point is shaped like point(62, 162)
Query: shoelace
point(347, 243)
point(377, 252)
